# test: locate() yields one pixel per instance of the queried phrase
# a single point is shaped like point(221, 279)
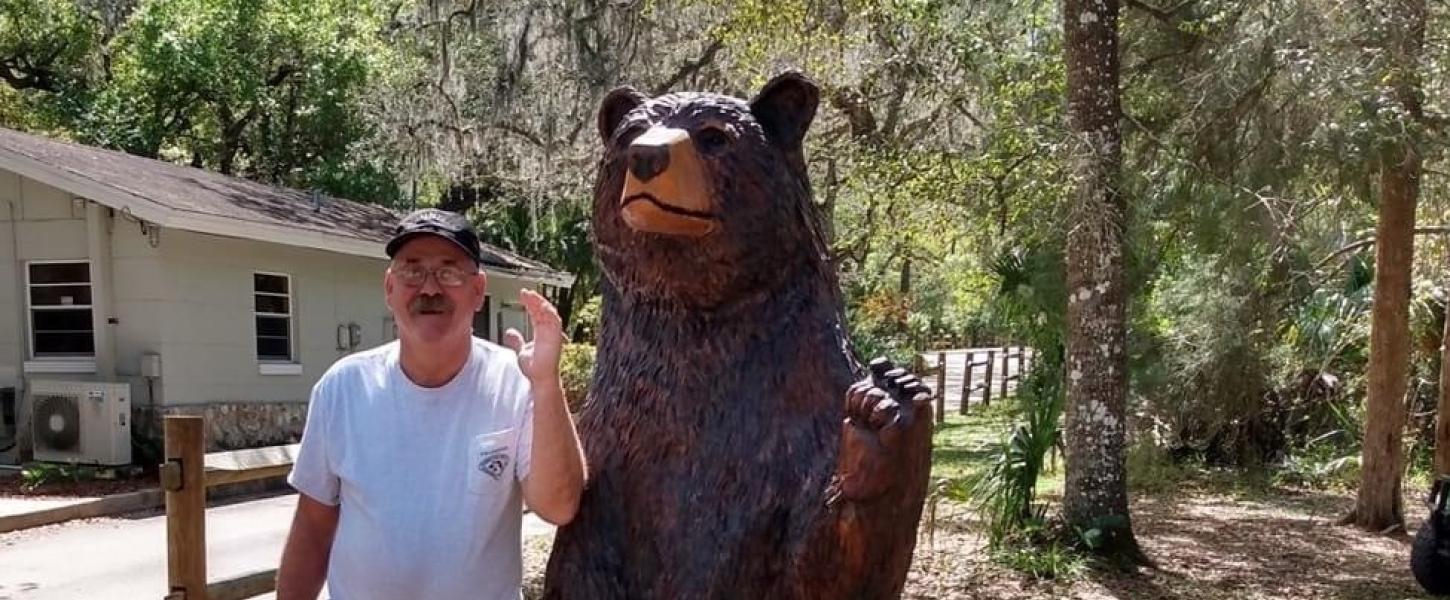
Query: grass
point(964, 444)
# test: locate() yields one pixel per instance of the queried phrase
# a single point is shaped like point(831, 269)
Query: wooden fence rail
point(986, 373)
point(185, 476)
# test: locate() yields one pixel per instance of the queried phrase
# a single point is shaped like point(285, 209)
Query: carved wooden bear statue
point(1430, 553)
point(731, 454)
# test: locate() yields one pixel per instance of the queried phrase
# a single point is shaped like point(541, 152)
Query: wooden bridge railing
point(988, 360)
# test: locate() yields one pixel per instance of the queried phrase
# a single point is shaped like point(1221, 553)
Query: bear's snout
point(646, 161)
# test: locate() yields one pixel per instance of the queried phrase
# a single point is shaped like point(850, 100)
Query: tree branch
point(1155, 12)
point(19, 73)
point(1166, 15)
point(690, 68)
point(893, 106)
point(960, 105)
point(281, 75)
point(858, 113)
point(530, 136)
point(468, 13)
point(915, 127)
point(1369, 241)
point(1150, 61)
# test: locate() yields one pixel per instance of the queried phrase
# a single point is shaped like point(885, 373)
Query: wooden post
point(1006, 370)
point(941, 387)
point(987, 378)
point(1021, 365)
point(967, 383)
point(182, 476)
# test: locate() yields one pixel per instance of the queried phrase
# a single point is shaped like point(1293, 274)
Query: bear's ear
point(617, 104)
point(785, 108)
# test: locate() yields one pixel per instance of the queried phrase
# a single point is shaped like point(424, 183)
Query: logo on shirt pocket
point(490, 460)
point(494, 462)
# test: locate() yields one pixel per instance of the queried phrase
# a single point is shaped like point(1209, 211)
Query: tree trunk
point(905, 287)
point(828, 204)
point(1442, 409)
point(1096, 492)
point(565, 306)
point(1379, 505)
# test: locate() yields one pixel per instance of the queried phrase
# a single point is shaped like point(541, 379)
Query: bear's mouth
point(669, 208)
point(643, 211)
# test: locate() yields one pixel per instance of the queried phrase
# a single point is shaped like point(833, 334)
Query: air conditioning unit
point(81, 422)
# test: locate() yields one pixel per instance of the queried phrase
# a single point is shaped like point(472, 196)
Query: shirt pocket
point(491, 461)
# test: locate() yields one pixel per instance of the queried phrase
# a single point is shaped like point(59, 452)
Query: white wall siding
point(11, 327)
point(138, 294)
point(51, 226)
point(504, 292)
point(209, 348)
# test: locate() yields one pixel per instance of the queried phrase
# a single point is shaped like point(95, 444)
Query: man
point(416, 453)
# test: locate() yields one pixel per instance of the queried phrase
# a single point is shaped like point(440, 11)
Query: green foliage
point(267, 89)
point(967, 451)
point(1005, 491)
point(1047, 559)
point(1253, 138)
point(147, 451)
point(880, 327)
point(1098, 533)
point(1323, 462)
point(576, 369)
point(1031, 296)
point(1152, 470)
point(35, 475)
point(1208, 370)
point(585, 322)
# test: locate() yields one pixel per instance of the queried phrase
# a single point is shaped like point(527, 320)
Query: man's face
point(427, 309)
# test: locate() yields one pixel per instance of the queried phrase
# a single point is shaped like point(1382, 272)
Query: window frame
point(290, 316)
point(32, 351)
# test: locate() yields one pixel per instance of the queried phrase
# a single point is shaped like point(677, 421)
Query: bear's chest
point(699, 511)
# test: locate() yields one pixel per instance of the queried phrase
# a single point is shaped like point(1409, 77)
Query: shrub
point(576, 369)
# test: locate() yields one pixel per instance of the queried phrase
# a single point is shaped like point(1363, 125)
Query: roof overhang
point(171, 217)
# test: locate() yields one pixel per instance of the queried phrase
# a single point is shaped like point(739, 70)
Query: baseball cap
point(432, 221)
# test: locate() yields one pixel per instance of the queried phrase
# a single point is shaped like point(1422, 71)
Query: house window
point(60, 310)
point(272, 301)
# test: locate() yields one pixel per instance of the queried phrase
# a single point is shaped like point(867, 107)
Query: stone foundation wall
point(230, 425)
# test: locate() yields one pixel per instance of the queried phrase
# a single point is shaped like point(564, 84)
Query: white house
point(207, 294)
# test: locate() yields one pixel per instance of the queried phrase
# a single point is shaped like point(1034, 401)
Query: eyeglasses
point(417, 275)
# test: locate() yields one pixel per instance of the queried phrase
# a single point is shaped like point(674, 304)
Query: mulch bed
point(1206, 544)
point(12, 485)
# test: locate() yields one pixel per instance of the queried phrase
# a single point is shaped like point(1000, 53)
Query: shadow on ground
point(1207, 544)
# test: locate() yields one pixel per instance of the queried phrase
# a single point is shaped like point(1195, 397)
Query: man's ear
point(615, 106)
point(785, 107)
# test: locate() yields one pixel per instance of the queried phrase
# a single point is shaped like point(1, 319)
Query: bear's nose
point(646, 161)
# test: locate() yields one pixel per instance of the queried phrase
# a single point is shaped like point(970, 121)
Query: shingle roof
point(197, 191)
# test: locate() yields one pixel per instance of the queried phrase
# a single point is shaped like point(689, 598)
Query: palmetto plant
point(1030, 300)
point(1004, 492)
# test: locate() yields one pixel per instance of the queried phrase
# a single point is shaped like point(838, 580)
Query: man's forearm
point(303, 569)
point(302, 572)
point(557, 472)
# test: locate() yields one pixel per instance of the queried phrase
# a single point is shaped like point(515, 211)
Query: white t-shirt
point(427, 478)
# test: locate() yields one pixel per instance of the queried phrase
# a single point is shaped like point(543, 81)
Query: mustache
point(429, 304)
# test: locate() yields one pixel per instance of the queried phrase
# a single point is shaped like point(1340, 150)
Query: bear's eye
point(711, 140)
